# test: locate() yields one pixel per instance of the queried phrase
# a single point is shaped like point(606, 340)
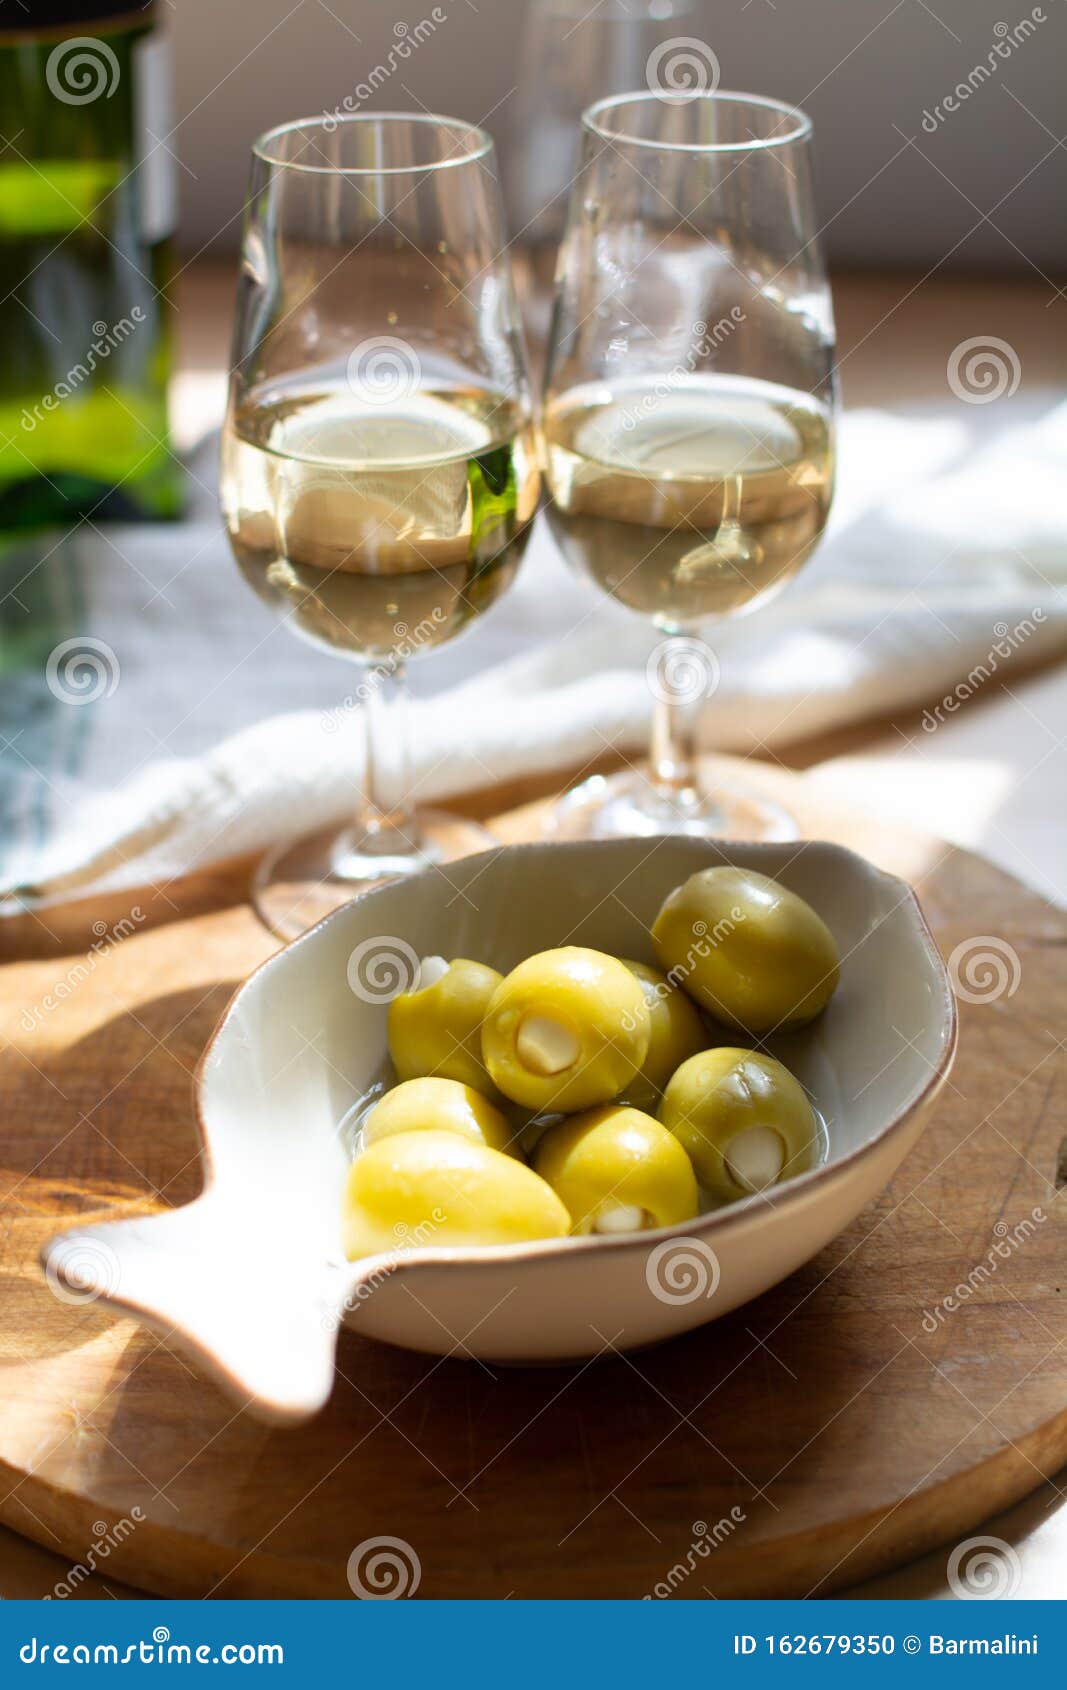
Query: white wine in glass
point(690, 504)
point(380, 473)
point(689, 406)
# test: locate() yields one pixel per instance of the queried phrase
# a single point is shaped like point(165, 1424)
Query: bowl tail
point(261, 1323)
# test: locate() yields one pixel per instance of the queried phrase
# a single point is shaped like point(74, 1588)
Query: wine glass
point(570, 53)
point(689, 409)
point(379, 468)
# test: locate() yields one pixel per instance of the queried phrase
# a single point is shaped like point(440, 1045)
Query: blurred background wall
point(903, 180)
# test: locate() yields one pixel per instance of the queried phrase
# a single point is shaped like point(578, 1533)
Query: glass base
point(627, 804)
point(295, 885)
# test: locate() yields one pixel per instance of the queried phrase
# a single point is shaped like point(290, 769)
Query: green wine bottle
point(86, 216)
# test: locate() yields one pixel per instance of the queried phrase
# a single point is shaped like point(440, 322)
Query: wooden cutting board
point(844, 1422)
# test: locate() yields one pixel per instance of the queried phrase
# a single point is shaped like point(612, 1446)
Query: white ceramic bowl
point(251, 1277)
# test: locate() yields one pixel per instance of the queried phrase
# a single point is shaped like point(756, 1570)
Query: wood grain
point(849, 1435)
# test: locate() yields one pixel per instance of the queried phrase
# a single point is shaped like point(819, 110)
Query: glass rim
point(329, 125)
point(800, 131)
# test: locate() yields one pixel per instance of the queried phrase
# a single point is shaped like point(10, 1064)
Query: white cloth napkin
point(199, 727)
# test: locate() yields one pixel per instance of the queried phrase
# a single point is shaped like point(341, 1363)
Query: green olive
point(436, 1028)
point(747, 949)
point(423, 1190)
point(744, 1120)
point(437, 1105)
point(566, 1029)
point(618, 1170)
point(677, 1033)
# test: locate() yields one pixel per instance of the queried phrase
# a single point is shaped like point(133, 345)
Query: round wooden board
point(833, 1428)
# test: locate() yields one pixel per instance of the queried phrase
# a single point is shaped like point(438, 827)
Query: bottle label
point(156, 164)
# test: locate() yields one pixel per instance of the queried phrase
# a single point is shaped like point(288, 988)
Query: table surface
point(993, 777)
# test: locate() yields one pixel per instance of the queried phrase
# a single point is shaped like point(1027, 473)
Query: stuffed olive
point(436, 1105)
point(422, 1190)
point(565, 1030)
point(743, 1119)
point(752, 953)
point(436, 1028)
point(617, 1170)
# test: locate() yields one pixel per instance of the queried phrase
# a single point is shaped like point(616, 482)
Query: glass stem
point(386, 817)
point(674, 729)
